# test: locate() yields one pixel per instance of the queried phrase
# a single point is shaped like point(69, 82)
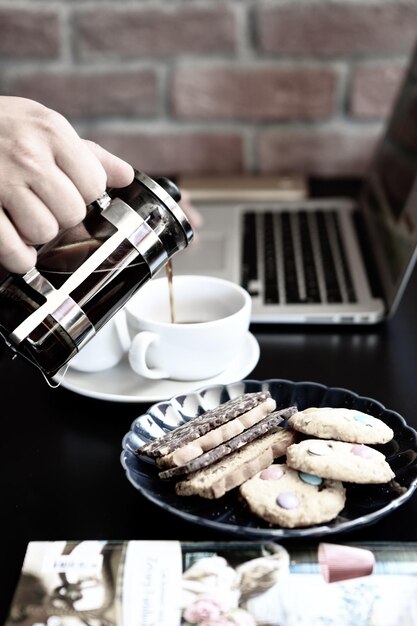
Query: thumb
point(119, 172)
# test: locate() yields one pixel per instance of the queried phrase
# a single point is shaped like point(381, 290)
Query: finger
point(119, 172)
point(59, 194)
point(31, 218)
point(81, 166)
point(15, 255)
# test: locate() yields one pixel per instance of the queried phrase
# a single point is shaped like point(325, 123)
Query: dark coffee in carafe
point(89, 272)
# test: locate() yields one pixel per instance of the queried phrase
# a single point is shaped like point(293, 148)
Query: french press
point(88, 272)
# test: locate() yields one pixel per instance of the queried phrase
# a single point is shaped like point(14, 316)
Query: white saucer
point(121, 384)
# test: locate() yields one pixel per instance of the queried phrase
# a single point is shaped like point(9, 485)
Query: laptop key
point(271, 292)
point(292, 295)
point(332, 286)
point(249, 274)
point(347, 277)
point(311, 281)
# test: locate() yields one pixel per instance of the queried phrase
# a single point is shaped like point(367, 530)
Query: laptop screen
point(390, 193)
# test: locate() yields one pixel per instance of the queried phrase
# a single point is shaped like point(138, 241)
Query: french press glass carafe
point(88, 273)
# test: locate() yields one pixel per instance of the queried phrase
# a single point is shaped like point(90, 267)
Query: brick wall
point(209, 86)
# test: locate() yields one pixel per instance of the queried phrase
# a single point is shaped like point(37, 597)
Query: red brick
point(321, 152)
point(255, 93)
point(87, 94)
point(338, 28)
point(29, 33)
point(374, 88)
point(175, 153)
point(140, 32)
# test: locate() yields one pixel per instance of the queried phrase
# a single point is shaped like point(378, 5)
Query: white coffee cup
point(106, 348)
point(212, 318)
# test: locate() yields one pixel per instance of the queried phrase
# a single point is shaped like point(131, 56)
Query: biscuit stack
point(223, 447)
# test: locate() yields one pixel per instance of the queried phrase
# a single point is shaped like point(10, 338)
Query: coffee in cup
point(212, 318)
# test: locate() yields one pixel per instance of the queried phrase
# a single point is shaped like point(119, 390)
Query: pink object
point(361, 450)
point(340, 562)
point(204, 607)
point(273, 472)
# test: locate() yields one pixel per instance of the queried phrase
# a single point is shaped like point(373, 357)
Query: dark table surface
point(61, 476)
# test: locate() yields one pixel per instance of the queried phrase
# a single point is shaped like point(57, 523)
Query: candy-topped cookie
point(340, 460)
point(291, 499)
point(341, 424)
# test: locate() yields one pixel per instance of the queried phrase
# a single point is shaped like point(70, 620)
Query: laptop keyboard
point(295, 257)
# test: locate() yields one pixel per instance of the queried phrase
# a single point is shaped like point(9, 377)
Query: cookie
point(341, 424)
point(226, 474)
point(189, 431)
point(267, 424)
point(285, 497)
point(340, 460)
point(219, 435)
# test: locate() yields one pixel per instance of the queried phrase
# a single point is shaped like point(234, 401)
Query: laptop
point(324, 261)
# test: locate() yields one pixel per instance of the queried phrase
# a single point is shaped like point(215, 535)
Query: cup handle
point(137, 355)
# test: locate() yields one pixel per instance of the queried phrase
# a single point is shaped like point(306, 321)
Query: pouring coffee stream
point(170, 278)
point(88, 273)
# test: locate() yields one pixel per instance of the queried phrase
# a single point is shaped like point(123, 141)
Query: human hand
point(48, 175)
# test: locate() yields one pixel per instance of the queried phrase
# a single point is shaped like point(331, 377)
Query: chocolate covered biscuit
point(217, 436)
point(202, 424)
point(227, 473)
point(267, 424)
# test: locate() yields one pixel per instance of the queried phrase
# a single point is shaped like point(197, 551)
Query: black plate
point(365, 504)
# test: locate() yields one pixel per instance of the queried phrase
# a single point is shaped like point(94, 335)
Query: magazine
point(171, 583)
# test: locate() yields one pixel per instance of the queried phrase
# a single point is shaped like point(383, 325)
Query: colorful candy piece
point(288, 500)
point(319, 448)
point(363, 451)
point(310, 479)
point(273, 472)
